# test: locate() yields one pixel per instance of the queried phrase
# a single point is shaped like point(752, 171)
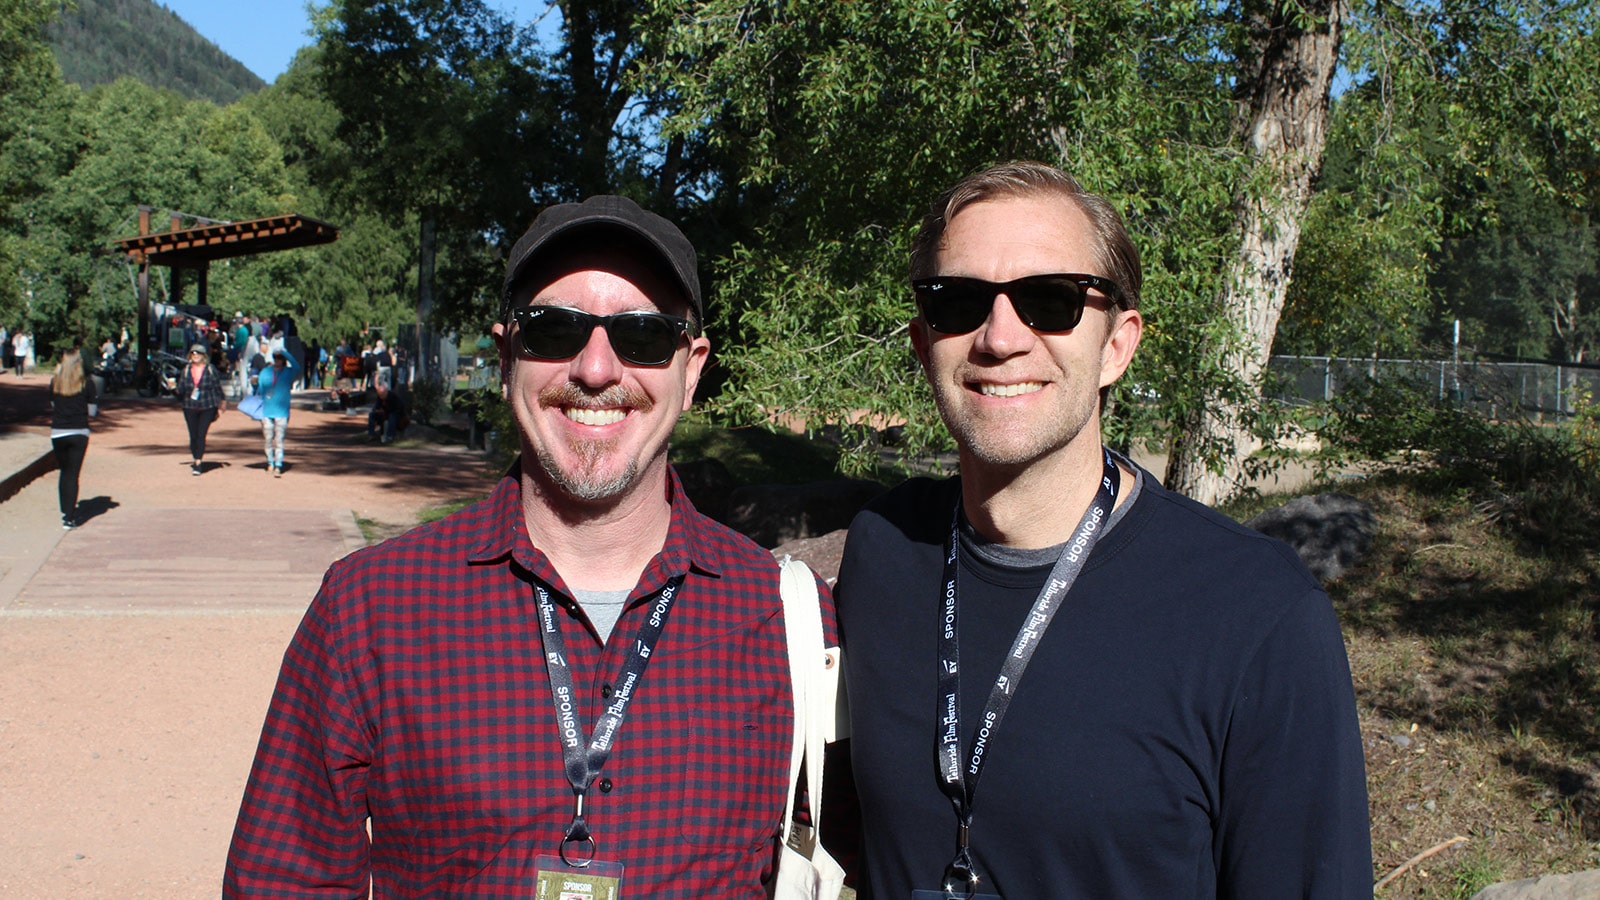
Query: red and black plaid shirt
point(415, 692)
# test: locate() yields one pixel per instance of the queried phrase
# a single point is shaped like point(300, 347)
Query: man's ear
point(502, 346)
point(1126, 330)
point(920, 341)
point(699, 352)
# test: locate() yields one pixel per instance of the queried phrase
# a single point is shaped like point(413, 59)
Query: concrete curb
point(16, 481)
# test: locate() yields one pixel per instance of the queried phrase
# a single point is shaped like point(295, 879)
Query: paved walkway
point(138, 652)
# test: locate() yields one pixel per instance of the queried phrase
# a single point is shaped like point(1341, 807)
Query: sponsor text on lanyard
point(582, 763)
point(958, 777)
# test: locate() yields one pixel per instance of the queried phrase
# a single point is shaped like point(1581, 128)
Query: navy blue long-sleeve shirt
point(1186, 728)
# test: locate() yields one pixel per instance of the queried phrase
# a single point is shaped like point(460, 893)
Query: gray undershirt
point(603, 609)
point(1001, 555)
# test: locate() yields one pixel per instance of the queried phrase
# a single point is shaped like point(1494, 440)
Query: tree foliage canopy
point(846, 119)
point(799, 142)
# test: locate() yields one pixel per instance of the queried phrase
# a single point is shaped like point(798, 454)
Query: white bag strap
point(802, 616)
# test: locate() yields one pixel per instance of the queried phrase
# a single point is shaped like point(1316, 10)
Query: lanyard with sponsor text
point(584, 764)
point(959, 780)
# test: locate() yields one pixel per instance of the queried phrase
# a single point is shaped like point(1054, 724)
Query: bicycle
point(162, 377)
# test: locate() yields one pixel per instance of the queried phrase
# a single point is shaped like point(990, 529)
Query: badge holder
point(960, 877)
point(594, 880)
point(577, 874)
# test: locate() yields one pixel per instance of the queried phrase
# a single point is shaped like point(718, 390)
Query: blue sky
point(264, 34)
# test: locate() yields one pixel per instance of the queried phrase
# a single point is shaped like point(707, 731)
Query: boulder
point(823, 553)
point(1577, 886)
point(1330, 532)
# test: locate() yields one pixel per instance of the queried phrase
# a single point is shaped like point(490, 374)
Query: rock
point(771, 514)
point(822, 553)
point(1577, 886)
point(1330, 532)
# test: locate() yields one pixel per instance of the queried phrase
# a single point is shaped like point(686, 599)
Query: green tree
point(1524, 284)
point(838, 122)
point(1461, 184)
point(134, 145)
point(31, 152)
point(365, 280)
point(1284, 57)
point(445, 118)
point(1518, 261)
point(1360, 283)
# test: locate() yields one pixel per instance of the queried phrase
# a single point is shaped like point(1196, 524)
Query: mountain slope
point(103, 40)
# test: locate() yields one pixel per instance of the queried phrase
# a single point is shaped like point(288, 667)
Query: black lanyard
point(584, 764)
point(960, 781)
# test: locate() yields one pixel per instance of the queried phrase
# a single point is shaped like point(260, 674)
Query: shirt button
point(606, 691)
point(605, 785)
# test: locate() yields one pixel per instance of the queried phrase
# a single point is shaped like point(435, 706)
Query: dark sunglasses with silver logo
point(560, 332)
point(954, 304)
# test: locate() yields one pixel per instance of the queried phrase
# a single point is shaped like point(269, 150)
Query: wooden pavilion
point(196, 248)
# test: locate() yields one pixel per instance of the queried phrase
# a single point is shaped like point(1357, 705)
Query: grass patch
point(435, 513)
point(376, 532)
point(373, 530)
point(1476, 662)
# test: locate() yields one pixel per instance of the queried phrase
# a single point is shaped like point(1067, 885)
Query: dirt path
point(138, 652)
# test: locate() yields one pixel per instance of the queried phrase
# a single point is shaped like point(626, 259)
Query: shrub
point(1531, 478)
point(428, 397)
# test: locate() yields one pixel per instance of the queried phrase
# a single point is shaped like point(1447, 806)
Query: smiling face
point(1010, 395)
point(595, 428)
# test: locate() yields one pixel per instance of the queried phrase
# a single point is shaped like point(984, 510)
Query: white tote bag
point(805, 870)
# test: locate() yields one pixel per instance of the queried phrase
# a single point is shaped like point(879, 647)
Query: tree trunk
point(1286, 105)
point(598, 92)
point(426, 353)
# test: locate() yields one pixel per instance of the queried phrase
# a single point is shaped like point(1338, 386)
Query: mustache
point(573, 394)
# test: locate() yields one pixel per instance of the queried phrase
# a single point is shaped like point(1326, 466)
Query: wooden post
point(175, 291)
point(142, 355)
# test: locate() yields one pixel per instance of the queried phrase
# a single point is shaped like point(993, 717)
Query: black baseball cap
point(606, 212)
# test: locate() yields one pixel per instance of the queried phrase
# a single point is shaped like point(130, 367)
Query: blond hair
point(1025, 178)
point(68, 378)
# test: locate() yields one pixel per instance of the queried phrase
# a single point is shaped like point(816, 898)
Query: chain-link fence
point(1537, 390)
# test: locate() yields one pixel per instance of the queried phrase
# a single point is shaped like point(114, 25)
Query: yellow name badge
point(559, 881)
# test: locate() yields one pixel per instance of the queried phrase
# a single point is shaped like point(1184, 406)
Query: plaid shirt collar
point(501, 534)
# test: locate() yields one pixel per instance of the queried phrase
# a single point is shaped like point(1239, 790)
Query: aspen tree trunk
point(1285, 120)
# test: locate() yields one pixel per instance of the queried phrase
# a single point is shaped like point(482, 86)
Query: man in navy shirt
point(1065, 681)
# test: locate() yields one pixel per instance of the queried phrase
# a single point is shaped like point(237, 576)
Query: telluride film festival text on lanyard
point(587, 875)
point(959, 780)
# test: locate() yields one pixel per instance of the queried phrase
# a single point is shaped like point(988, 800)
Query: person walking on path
point(21, 349)
point(275, 384)
point(200, 386)
point(72, 405)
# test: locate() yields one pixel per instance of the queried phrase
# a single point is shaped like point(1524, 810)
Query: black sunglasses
point(952, 304)
point(640, 338)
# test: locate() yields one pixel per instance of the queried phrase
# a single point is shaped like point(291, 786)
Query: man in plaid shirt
point(579, 684)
